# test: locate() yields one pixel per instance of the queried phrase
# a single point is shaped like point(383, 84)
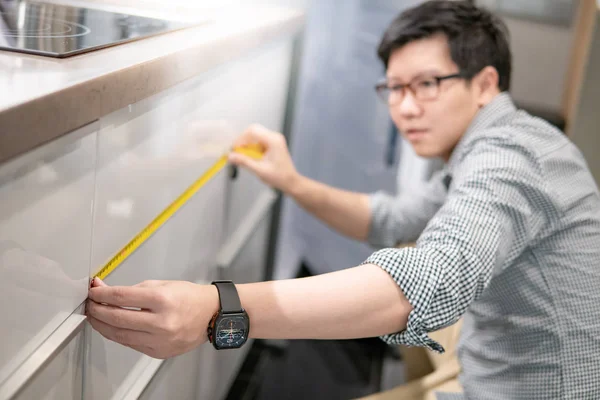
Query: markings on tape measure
point(251, 151)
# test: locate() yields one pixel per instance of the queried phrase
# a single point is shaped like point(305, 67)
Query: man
point(509, 232)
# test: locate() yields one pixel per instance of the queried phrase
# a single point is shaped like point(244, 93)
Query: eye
point(427, 83)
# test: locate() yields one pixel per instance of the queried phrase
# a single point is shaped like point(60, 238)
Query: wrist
point(229, 325)
point(209, 302)
point(295, 185)
point(213, 302)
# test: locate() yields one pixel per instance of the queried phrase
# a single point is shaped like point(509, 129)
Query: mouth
point(415, 134)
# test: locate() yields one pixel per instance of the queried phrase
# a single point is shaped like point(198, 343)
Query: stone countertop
point(42, 98)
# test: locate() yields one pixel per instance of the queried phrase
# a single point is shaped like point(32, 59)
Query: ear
point(486, 85)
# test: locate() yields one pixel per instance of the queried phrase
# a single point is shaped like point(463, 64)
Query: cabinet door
point(45, 239)
point(54, 371)
point(173, 378)
point(250, 90)
point(149, 154)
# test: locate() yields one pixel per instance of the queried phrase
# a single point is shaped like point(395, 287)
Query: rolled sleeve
point(413, 272)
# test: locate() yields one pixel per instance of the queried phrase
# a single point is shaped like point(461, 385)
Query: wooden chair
point(439, 371)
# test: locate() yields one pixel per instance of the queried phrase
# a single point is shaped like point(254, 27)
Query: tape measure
point(253, 151)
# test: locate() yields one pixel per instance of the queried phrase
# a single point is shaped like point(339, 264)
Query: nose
point(408, 107)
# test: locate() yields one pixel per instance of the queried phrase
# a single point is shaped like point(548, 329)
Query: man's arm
point(347, 212)
point(381, 219)
point(353, 303)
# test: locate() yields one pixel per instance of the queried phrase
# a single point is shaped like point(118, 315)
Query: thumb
point(97, 282)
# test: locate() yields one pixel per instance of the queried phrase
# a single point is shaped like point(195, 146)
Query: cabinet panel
point(45, 239)
point(148, 156)
point(61, 378)
point(251, 90)
point(175, 379)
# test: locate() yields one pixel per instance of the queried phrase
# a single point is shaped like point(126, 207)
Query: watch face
point(231, 331)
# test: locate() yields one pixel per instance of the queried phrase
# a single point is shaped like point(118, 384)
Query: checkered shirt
point(509, 240)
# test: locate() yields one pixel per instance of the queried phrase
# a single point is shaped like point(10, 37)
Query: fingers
point(122, 318)
point(126, 337)
point(124, 296)
point(151, 284)
point(246, 162)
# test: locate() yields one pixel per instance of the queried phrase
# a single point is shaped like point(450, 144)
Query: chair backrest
point(583, 27)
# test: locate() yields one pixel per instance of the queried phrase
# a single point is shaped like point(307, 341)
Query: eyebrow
point(427, 72)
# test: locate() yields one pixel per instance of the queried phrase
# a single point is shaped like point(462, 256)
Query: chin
point(426, 151)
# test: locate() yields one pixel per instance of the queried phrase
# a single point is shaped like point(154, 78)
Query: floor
point(316, 369)
point(305, 369)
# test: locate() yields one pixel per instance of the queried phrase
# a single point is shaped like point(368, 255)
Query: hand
point(171, 316)
point(275, 168)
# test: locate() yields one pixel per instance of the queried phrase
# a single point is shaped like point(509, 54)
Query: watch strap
point(228, 297)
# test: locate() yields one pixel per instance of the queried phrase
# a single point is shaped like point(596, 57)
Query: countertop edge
point(48, 117)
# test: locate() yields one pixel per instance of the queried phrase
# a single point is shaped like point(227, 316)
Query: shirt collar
point(501, 105)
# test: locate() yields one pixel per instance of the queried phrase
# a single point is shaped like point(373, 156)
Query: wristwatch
point(229, 327)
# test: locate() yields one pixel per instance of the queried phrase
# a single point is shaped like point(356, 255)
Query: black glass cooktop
point(61, 31)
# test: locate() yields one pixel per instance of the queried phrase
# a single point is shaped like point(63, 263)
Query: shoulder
point(500, 150)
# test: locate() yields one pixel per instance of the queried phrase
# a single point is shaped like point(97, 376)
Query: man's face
point(432, 126)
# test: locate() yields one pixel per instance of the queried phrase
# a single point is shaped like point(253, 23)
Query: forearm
point(353, 303)
point(346, 212)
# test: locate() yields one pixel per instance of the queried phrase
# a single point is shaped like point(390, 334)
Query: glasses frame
point(381, 86)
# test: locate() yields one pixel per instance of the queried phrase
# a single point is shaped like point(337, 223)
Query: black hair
point(476, 37)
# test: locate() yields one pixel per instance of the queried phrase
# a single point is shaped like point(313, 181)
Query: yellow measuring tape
point(251, 151)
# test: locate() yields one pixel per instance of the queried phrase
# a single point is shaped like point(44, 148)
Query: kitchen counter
point(44, 98)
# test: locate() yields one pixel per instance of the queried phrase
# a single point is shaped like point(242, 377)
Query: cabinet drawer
point(177, 376)
point(54, 370)
point(45, 239)
point(147, 158)
point(181, 249)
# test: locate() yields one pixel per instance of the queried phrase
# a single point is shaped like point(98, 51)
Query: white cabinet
point(148, 155)
point(45, 239)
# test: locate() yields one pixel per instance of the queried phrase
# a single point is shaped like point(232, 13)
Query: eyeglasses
point(423, 89)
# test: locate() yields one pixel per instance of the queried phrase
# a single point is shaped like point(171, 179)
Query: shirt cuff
point(412, 270)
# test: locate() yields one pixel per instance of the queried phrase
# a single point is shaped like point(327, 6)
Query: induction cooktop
point(60, 31)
